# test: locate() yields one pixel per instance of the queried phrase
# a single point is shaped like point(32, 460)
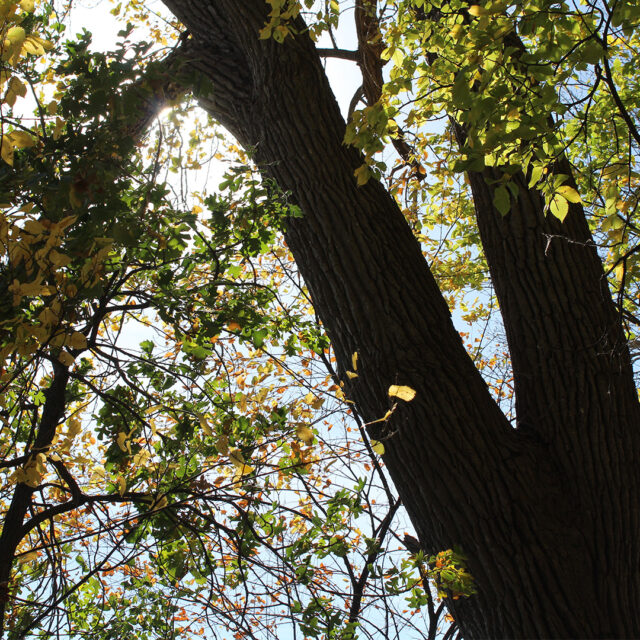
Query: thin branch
point(343, 54)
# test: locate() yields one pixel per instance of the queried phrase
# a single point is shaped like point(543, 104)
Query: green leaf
point(536, 174)
point(502, 200)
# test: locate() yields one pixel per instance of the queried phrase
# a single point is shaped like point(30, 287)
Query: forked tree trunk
point(547, 515)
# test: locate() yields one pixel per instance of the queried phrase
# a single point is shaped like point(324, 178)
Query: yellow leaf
point(477, 10)
point(34, 45)
point(27, 557)
point(351, 375)
point(66, 358)
point(235, 455)
point(16, 35)
point(354, 361)
point(456, 31)
point(160, 503)
point(205, 425)
point(6, 150)
point(222, 445)
point(35, 227)
point(619, 272)
point(362, 174)
point(122, 442)
point(400, 391)
point(67, 221)
point(122, 485)
point(238, 462)
point(59, 259)
point(378, 447)
point(22, 139)
point(57, 131)
point(74, 428)
point(304, 433)
point(77, 340)
point(27, 5)
point(570, 194)
point(141, 458)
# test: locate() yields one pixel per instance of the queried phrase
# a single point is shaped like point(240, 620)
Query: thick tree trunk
point(552, 555)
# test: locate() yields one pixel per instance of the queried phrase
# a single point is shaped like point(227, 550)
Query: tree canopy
point(238, 406)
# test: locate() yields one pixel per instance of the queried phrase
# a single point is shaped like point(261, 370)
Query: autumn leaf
point(66, 358)
point(236, 458)
point(205, 425)
point(304, 433)
point(377, 447)
point(77, 340)
point(402, 392)
point(569, 193)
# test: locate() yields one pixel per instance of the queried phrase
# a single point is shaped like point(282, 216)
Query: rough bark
point(548, 519)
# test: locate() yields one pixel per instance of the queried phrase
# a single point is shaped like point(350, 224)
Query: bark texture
point(547, 514)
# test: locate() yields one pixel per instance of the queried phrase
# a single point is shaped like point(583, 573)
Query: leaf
point(27, 557)
point(502, 200)
point(235, 455)
point(402, 392)
point(362, 174)
point(66, 358)
point(16, 35)
point(477, 10)
point(205, 425)
point(122, 485)
point(6, 150)
point(77, 340)
point(559, 207)
point(159, 503)
point(258, 337)
point(377, 447)
point(22, 139)
point(354, 361)
point(59, 259)
point(351, 375)
point(34, 45)
point(123, 443)
point(222, 445)
point(536, 174)
point(569, 193)
point(304, 433)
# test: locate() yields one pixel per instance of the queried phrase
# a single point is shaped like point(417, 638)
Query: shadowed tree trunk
point(546, 513)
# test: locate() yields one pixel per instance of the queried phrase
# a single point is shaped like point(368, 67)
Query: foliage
point(169, 404)
point(168, 399)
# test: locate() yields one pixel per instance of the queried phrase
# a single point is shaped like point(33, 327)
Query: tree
point(545, 512)
point(205, 478)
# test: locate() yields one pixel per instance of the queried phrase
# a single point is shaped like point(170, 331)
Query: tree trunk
point(547, 517)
